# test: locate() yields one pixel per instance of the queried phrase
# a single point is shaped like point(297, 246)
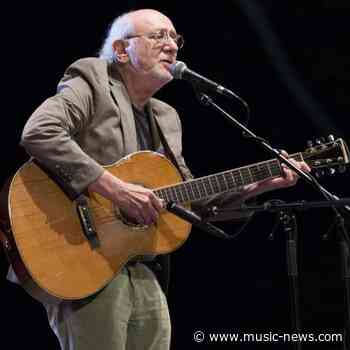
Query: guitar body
point(47, 239)
point(49, 236)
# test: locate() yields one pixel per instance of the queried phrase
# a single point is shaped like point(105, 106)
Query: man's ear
point(119, 48)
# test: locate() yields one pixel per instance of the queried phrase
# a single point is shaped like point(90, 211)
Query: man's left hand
point(288, 179)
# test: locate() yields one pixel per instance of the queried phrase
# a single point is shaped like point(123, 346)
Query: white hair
point(120, 28)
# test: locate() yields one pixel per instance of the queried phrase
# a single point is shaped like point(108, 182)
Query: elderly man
point(103, 111)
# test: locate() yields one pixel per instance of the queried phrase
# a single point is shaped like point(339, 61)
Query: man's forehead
point(144, 21)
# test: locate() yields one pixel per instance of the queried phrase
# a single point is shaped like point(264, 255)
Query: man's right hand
point(136, 202)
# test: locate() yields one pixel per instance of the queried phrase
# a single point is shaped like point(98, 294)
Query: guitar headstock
point(329, 156)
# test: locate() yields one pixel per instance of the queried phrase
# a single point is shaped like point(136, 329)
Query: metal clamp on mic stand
point(196, 220)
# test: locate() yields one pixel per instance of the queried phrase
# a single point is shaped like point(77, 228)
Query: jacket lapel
point(154, 127)
point(122, 100)
point(167, 137)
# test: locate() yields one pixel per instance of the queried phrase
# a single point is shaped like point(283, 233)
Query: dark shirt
point(145, 137)
point(143, 130)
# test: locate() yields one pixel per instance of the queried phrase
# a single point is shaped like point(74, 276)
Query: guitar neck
point(207, 186)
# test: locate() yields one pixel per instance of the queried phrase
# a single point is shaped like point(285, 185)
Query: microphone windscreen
point(177, 69)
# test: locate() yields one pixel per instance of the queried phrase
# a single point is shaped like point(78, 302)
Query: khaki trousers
point(131, 313)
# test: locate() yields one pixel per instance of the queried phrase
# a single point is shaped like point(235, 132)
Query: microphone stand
point(290, 227)
point(196, 220)
point(287, 217)
point(309, 179)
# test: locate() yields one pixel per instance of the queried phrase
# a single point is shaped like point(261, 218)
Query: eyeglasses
point(162, 36)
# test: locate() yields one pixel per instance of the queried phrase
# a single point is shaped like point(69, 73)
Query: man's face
point(149, 56)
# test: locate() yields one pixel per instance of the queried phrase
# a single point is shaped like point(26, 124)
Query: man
point(104, 110)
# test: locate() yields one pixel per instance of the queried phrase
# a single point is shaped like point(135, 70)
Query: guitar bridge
point(87, 222)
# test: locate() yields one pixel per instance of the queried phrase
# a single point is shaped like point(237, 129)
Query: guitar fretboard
point(226, 181)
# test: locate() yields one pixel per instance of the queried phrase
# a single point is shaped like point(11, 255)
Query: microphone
point(179, 70)
point(196, 220)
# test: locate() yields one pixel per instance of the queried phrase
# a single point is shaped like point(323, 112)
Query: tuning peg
point(319, 173)
point(320, 141)
point(331, 171)
point(330, 138)
point(342, 168)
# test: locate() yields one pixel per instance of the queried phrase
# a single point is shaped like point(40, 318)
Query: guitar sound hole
point(127, 220)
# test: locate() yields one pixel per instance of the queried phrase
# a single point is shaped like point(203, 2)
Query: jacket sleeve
point(50, 136)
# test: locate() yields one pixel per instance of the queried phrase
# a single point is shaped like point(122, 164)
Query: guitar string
point(253, 169)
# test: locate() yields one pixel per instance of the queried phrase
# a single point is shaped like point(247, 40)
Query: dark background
point(289, 60)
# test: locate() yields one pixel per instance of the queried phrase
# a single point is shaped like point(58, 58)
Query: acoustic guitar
point(72, 249)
